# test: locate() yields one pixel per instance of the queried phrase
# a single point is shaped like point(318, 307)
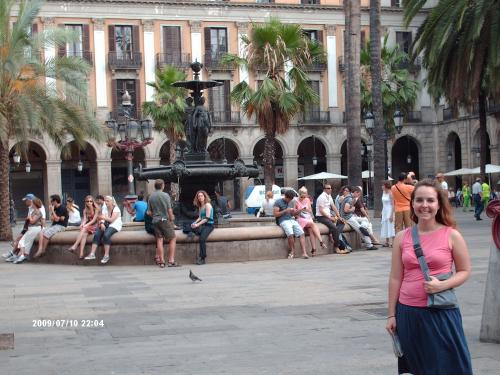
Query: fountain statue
point(194, 170)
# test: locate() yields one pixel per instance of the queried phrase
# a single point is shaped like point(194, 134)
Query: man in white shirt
point(327, 214)
point(477, 198)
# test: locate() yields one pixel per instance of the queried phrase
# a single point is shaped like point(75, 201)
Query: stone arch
point(329, 147)
point(223, 149)
point(405, 155)
point(257, 150)
point(475, 148)
point(312, 152)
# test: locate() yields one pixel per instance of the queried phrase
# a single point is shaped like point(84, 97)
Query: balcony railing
point(225, 117)
point(315, 117)
point(213, 61)
point(86, 55)
point(414, 116)
point(124, 60)
point(316, 67)
point(179, 60)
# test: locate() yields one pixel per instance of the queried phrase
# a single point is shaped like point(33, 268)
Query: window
point(220, 102)
point(403, 40)
point(172, 44)
point(75, 47)
point(396, 3)
point(217, 42)
point(314, 35)
point(123, 42)
point(119, 86)
point(309, 2)
point(312, 111)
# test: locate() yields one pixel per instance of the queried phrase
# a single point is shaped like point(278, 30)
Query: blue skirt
point(433, 341)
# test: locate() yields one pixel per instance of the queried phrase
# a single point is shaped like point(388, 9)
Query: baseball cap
point(29, 196)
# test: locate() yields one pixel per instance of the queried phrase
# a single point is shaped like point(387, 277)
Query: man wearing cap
point(477, 197)
point(442, 182)
point(28, 201)
point(59, 217)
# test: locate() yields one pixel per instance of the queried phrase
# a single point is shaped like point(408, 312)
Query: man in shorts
point(283, 212)
point(160, 209)
point(59, 216)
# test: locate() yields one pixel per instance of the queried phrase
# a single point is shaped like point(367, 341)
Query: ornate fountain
point(194, 170)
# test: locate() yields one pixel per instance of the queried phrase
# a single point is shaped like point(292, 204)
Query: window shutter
point(227, 96)
point(172, 40)
point(208, 47)
point(135, 39)
point(61, 50)
point(114, 96)
point(319, 33)
point(111, 38)
point(138, 104)
point(85, 38)
point(363, 39)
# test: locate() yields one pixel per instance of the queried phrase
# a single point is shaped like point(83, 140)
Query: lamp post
point(314, 158)
point(132, 134)
point(368, 155)
point(384, 135)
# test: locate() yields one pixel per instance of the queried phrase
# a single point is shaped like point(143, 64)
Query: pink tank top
point(439, 257)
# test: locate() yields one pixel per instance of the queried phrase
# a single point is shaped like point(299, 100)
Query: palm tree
point(377, 105)
point(352, 38)
point(459, 44)
point(169, 106)
point(281, 95)
point(28, 105)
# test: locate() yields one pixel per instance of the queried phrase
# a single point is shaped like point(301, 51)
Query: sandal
point(161, 264)
point(173, 264)
point(313, 252)
point(290, 255)
point(305, 257)
point(157, 259)
point(322, 244)
point(71, 250)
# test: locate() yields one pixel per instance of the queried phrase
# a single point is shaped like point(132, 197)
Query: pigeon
point(193, 277)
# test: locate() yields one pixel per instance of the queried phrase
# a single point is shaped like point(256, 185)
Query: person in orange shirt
point(401, 197)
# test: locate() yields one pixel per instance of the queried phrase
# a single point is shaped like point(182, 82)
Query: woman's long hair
point(196, 202)
point(94, 205)
point(444, 214)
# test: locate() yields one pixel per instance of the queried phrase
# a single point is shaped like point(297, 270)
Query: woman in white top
point(267, 208)
point(387, 222)
point(109, 223)
point(74, 218)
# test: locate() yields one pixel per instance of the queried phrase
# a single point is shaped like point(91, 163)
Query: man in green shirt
point(486, 193)
point(467, 195)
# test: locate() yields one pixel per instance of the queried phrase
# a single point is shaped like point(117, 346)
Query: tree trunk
point(268, 159)
point(354, 96)
point(347, 51)
point(375, 69)
point(5, 228)
point(174, 187)
point(482, 134)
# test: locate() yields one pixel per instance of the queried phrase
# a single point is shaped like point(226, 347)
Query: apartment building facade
point(126, 41)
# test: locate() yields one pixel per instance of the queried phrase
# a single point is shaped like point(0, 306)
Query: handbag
point(445, 299)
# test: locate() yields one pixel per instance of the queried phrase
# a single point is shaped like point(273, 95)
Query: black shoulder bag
point(440, 300)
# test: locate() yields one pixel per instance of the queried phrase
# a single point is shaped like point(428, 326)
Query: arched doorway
point(345, 154)
point(78, 183)
point(119, 175)
point(258, 152)
point(165, 151)
point(29, 176)
point(312, 159)
point(476, 148)
point(224, 150)
point(405, 157)
point(454, 157)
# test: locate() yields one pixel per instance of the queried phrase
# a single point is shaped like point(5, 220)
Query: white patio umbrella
point(489, 168)
point(323, 176)
point(459, 172)
point(367, 174)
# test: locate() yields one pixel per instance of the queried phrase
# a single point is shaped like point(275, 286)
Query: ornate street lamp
point(79, 166)
point(16, 158)
point(28, 167)
point(132, 134)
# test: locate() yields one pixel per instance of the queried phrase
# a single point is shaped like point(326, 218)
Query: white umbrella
point(490, 168)
point(367, 174)
point(324, 176)
point(459, 172)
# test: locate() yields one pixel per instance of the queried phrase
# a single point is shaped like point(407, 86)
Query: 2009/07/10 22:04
point(68, 323)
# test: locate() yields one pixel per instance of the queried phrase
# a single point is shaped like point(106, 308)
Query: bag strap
point(419, 253)
point(404, 196)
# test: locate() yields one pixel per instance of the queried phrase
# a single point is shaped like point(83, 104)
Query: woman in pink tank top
point(432, 340)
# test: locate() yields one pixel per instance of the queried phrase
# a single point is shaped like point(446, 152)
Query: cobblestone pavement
point(324, 315)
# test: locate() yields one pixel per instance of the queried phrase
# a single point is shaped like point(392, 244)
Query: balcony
point(448, 114)
point(316, 67)
point(315, 117)
point(179, 60)
point(414, 116)
point(120, 60)
point(225, 117)
point(86, 55)
point(213, 61)
point(341, 64)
